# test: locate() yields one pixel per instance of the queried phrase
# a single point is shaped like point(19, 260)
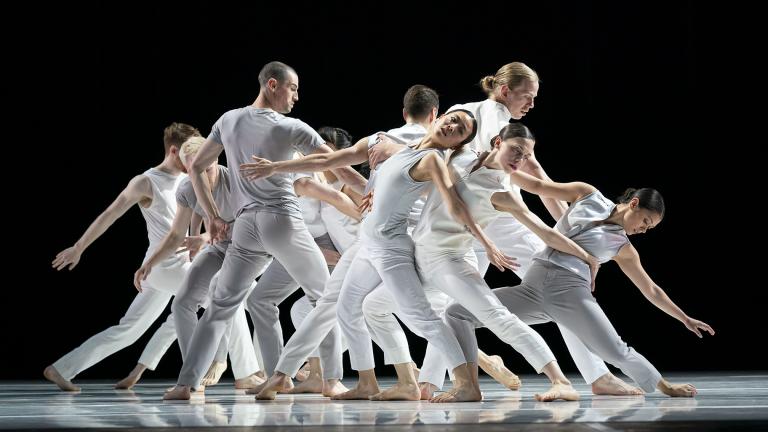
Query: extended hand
point(257, 169)
point(69, 256)
point(696, 325)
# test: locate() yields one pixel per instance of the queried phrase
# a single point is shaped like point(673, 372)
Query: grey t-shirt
point(249, 131)
point(185, 195)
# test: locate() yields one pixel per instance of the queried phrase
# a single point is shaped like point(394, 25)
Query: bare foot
point(51, 374)
point(312, 384)
point(261, 375)
point(303, 373)
point(333, 387)
point(558, 391)
point(249, 382)
point(180, 392)
point(461, 393)
point(677, 390)
point(214, 373)
point(270, 388)
point(132, 378)
point(496, 369)
point(399, 391)
point(358, 393)
point(427, 390)
point(610, 384)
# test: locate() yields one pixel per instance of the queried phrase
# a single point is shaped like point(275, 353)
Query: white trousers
point(257, 236)
point(394, 266)
point(161, 284)
point(516, 240)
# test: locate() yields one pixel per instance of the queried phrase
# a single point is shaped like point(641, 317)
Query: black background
point(631, 95)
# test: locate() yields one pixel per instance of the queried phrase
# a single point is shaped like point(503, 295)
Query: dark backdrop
point(627, 98)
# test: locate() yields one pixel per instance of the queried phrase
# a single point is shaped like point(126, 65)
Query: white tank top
point(159, 215)
point(438, 231)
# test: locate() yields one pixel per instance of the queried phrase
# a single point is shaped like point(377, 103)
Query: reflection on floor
point(731, 400)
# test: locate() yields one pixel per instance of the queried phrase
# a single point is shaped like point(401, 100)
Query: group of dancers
point(412, 240)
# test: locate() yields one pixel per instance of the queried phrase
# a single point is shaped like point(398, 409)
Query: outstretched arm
point(168, 244)
point(323, 159)
point(138, 190)
point(568, 192)
point(431, 167)
point(513, 204)
point(556, 208)
point(629, 262)
point(306, 186)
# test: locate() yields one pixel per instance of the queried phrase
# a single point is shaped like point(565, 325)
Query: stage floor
point(732, 401)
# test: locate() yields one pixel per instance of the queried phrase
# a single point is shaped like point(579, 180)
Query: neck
point(618, 214)
point(262, 102)
point(492, 159)
point(497, 98)
point(169, 166)
point(423, 122)
point(427, 142)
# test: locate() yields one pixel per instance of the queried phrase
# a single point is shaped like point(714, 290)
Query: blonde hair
point(189, 149)
point(511, 74)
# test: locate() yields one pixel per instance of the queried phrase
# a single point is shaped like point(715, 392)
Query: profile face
point(287, 93)
point(451, 129)
point(639, 220)
point(519, 100)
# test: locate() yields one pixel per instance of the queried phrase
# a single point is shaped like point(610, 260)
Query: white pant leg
point(157, 346)
point(378, 309)
point(242, 354)
point(318, 323)
point(516, 240)
point(194, 292)
point(145, 308)
point(143, 311)
point(396, 267)
point(274, 286)
point(460, 280)
point(245, 257)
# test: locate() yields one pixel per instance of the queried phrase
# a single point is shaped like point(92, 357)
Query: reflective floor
point(732, 401)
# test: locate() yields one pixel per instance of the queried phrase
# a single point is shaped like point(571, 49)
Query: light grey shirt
point(249, 131)
point(583, 223)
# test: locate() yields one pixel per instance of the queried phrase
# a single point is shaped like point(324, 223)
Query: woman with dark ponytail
point(558, 286)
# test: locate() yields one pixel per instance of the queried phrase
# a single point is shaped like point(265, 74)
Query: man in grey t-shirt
point(268, 218)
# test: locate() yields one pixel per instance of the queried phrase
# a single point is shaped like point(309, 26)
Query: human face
point(286, 93)
point(519, 100)
point(514, 153)
point(639, 220)
point(451, 129)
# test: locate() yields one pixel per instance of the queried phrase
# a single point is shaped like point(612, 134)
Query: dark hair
point(514, 130)
point(176, 133)
point(276, 70)
point(649, 199)
point(340, 138)
point(472, 134)
point(419, 101)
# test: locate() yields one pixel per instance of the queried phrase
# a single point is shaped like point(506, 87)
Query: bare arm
point(569, 192)
point(629, 262)
point(209, 152)
point(556, 208)
point(308, 187)
point(138, 190)
point(167, 246)
point(512, 203)
point(431, 167)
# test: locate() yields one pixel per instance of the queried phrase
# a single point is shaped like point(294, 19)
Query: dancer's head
point(420, 104)
point(642, 210)
point(515, 145)
point(515, 85)
point(279, 84)
point(335, 138)
point(173, 137)
point(453, 129)
point(188, 151)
